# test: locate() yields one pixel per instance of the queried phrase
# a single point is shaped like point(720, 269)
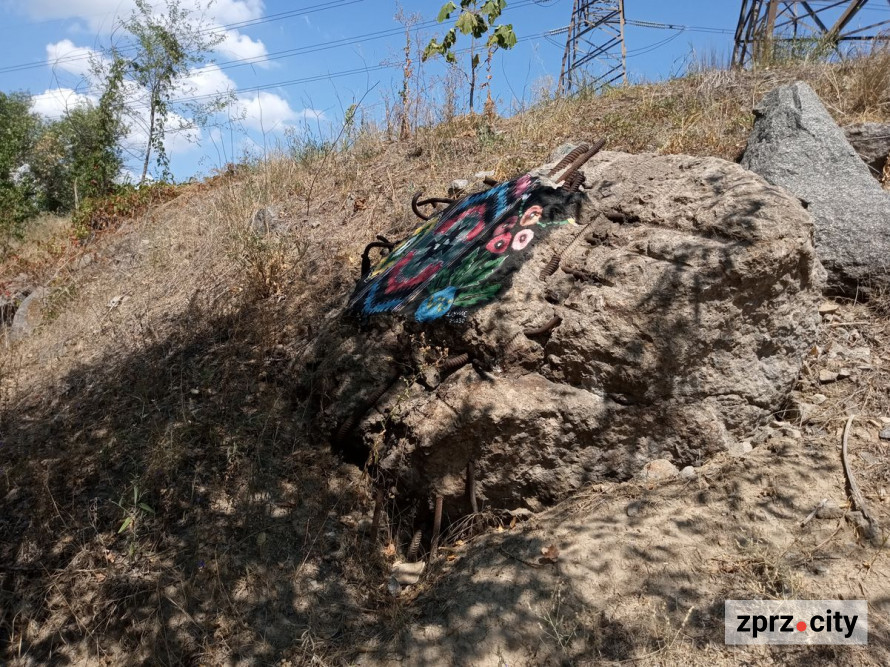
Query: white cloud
point(237, 46)
point(55, 102)
point(104, 16)
point(65, 56)
point(207, 80)
point(269, 112)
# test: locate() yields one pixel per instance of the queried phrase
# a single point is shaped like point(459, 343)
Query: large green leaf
point(445, 12)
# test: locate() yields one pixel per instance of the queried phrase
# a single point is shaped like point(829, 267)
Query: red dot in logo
point(801, 626)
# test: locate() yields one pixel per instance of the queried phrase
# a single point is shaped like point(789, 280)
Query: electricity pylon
point(594, 36)
point(765, 23)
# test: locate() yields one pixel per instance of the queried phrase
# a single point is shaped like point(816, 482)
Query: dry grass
point(172, 365)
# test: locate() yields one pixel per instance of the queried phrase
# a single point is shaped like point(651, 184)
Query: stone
point(871, 141)
point(407, 574)
point(828, 307)
point(710, 289)
point(738, 449)
point(481, 175)
point(458, 186)
point(830, 510)
point(687, 472)
point(885, 433)
point(844, 373)
point(826, 376)
point(29, 315)
point(263, 221)
point(795, 144)
point(659, 469)
point(818, 399)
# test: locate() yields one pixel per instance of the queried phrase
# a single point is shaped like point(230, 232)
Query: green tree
point(18, 131)
point(168, 44)
point(80, 155)
point(476, 21)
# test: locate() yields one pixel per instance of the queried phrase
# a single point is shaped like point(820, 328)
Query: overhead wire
point(331, 4)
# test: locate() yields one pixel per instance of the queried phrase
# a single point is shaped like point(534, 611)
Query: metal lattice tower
point(765, 23)
point(595, 36)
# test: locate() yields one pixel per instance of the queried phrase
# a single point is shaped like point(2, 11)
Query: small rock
point(28, 315)
point(740, 448)
point(818, 399)
point(561, 151)
point(481, 175)
point(393, 587)
point(458, 185)
point(521, 513)
point(687, 472)
point(885, 434)
point(407, 574)
point(115, 301)
point(84, 261)
point(868, 458)
point(830, 510)
point(827, 376)
point(659, 469)
point(828, 307)
point(263, 220)
point(634, 508)
point(844, 373)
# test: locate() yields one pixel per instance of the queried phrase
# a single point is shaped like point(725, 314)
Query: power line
point(330, 4)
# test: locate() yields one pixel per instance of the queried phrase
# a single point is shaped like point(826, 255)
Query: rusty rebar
point(579, 161)
point(347, 426)
point(574, 182)
point(414, 547)
point(429, 201)
point(554, 322)
point(437, 526)
point(471, 486)
point(568, 158)
point(378, 511)
point(550, 267)
point(414, 206)
point(454, 362)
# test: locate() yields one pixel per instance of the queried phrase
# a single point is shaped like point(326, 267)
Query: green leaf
point(147, 508)
point(493, 9)
point(449, 58)
point(445, 12)
point(475, 61)
point(466, 23)
point(126, 524)
point(503, 37)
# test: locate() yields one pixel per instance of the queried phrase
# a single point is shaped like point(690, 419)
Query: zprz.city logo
point(796, 622)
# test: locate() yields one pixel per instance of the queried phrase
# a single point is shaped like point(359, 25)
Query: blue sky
point(294, 67)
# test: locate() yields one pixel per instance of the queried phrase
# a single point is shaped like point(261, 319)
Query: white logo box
point(796, 622)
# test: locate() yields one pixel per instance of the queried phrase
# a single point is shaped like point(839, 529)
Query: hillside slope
point(163, 499)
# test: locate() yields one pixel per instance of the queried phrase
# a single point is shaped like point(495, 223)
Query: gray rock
point(795, 144)
point(483, 174)
point(872, 142)
point(708, 303)
point(28, 315)
point(659, 469)
point(458, 186)
point(688, 472)
point(826, 376)
point(263, 221)
point(830, 510)
point(885, 434)
point(562, 150)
